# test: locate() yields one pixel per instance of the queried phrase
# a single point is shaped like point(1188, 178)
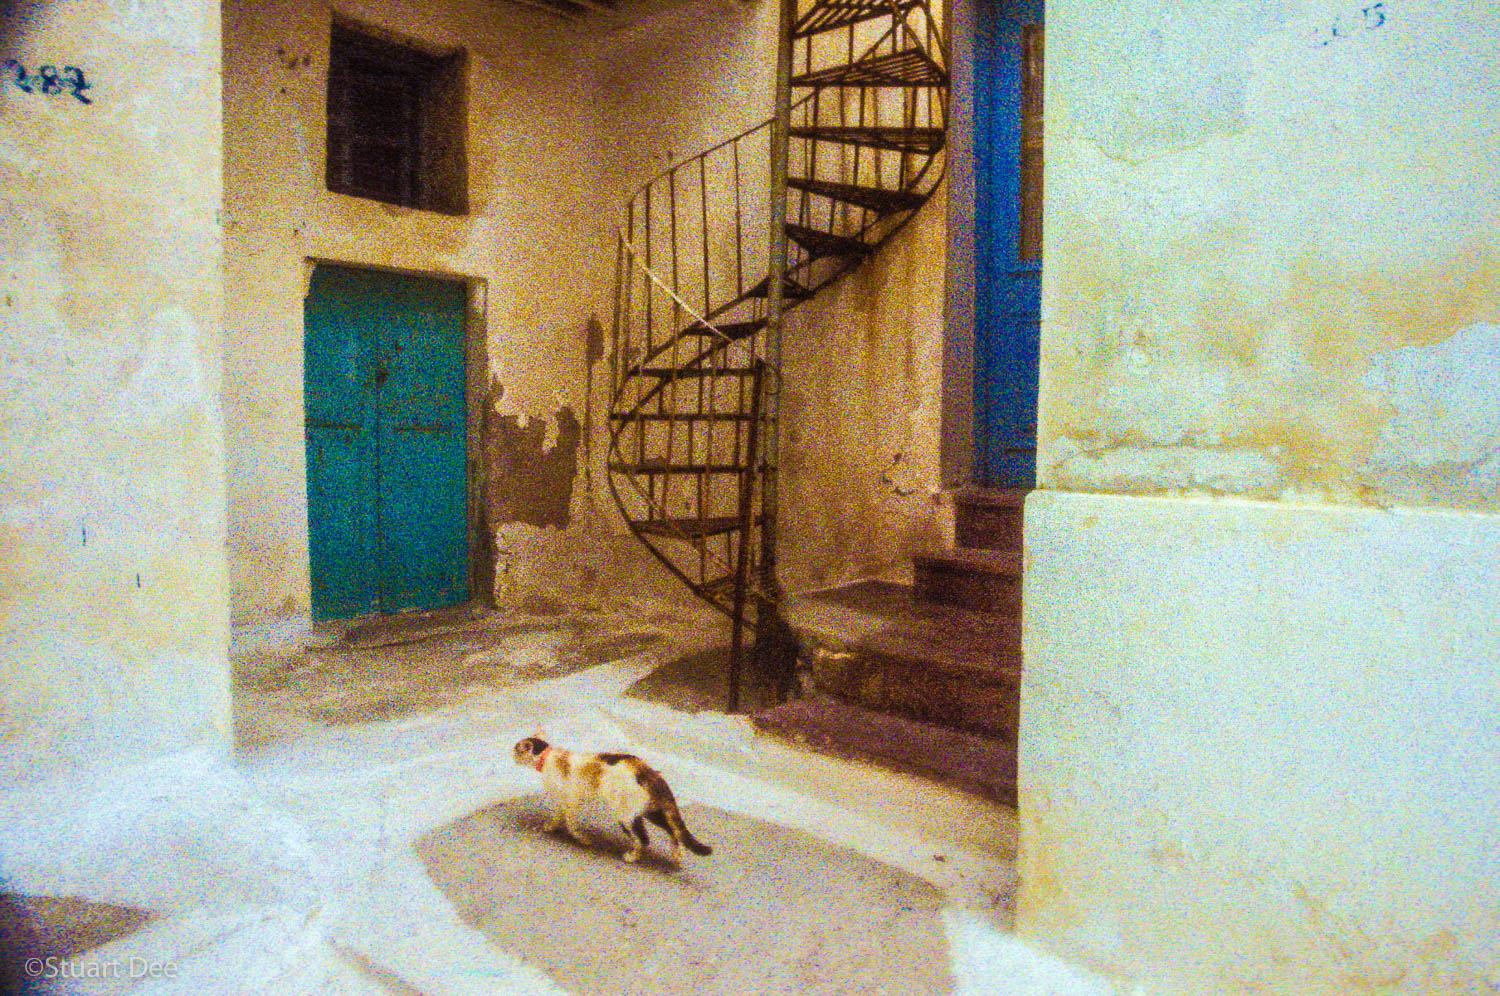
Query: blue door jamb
point(1007, 292)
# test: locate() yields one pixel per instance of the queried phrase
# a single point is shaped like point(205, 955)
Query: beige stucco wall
point(1259, 720)
point(535, 239)
point(862, 407)
point(113, 608)
point(565, 122)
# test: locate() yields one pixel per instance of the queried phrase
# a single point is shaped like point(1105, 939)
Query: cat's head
point(527, 751)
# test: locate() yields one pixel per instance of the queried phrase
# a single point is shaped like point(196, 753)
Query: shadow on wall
point(522, 479)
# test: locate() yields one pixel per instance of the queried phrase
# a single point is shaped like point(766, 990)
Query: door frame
point(478, 548)
point(958, 448)
point(957, 442)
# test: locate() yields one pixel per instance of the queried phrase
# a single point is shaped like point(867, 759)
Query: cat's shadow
point(600, 842)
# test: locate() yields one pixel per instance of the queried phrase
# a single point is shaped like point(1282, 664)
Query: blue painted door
point(1008, 64)
point(386, 443)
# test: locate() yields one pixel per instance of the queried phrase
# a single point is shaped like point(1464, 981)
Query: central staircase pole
point(768, 586)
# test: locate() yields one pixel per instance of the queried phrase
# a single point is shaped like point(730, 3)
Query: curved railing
point(690, 364)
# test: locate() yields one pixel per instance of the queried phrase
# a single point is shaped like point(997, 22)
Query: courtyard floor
point(370, 834)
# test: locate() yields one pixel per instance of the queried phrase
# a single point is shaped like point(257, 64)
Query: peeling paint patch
point(527, 477)
point(1152, 469)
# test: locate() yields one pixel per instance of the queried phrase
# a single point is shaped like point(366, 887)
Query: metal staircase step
point(835, 14)
point(908, 67)
point(882, 201)
point(651, 468)
point(733, 331)
point(921, 140)
point(669, 373)
point(718, 589)
point(820, 244)
point(793, 292)
point(687, 528)
point(625, 417)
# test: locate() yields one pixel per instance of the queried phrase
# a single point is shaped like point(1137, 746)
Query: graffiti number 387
point(47, 80)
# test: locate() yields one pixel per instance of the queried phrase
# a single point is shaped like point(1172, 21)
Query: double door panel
point(386, 442)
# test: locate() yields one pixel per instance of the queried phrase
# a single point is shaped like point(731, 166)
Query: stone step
point(985, 765)
point(989, 518)
point(978, 580)
point(873, 645)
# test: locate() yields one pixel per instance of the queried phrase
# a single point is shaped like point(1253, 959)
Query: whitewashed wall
point(1260, 718)
point(113, 612)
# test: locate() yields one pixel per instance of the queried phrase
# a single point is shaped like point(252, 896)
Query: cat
point(630, 788)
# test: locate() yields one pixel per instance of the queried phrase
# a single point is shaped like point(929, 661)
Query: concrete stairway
point(923, 677)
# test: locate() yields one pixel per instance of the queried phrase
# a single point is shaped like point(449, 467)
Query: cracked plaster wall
point(1272, 263)
point(113, 614)
point(1259, 716)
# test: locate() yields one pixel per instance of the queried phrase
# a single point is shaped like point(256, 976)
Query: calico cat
point(631, 789)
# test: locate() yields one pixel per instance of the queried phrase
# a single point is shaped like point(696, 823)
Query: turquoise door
point(1008, 64)
point(387, 499)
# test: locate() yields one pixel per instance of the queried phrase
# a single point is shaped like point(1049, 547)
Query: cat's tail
point(681, 833)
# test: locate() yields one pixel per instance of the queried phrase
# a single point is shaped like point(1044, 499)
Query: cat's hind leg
point(655, 816)
point(639, 839)
point(570, 821)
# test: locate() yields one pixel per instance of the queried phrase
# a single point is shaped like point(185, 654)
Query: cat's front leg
point(556, 819)
point(570, 820)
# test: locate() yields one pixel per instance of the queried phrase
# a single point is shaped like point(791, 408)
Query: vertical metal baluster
point(650, 334)
point(702, 535)
point(675, 404)
point(742, 558)
point(672, 208)
point(739, 234)
point(703, 215)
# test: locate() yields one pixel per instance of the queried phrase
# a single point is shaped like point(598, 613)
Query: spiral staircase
point(714, 250)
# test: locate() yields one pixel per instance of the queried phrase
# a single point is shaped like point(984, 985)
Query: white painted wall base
point(1260, 745)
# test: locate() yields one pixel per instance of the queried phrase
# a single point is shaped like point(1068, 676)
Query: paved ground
point(772, 910)
point(372, 836)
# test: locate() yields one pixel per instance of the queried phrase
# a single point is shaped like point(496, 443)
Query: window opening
point(396, 122)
